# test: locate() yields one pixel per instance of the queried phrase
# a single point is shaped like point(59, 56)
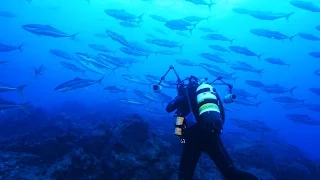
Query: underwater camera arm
point(157, 87)
point(229, 98)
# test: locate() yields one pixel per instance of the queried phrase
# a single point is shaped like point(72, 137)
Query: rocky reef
point(90, 146)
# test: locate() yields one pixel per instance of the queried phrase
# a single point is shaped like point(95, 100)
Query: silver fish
point(76, 83)
point(7, 88)
point(5, 104)
point(134, 79)
point(132, 101)
point(47, 30)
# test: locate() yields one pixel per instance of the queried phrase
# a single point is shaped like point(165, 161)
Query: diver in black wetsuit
point(203, 124)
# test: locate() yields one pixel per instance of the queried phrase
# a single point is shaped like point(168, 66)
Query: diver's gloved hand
point(173, 105)
point(178, 98)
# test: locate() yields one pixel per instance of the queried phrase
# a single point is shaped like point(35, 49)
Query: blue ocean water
point(90, 21)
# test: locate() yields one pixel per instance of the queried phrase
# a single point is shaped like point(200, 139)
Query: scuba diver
point(199, 122)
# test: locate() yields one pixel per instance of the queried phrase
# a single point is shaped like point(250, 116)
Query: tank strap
point(205, 90)
point(189, 103)
point(210, 101)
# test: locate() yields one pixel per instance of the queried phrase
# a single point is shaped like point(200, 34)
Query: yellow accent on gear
point(210, 94)
point(209, 107)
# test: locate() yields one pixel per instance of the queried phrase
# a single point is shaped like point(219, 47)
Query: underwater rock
point(68, 146)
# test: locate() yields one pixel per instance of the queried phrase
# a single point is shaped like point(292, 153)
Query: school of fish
point(107, 59)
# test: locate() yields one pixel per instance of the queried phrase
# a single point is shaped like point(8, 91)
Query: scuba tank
point(207, 99)
point(209, 107)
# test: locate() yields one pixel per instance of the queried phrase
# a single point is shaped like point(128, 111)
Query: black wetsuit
point(197, 140)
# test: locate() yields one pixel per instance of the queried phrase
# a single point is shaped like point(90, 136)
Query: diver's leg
point(190, 156)
point(218, 153)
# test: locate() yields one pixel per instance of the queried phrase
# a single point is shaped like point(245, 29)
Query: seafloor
point(67, 145)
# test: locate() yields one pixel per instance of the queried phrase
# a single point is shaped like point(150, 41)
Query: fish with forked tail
point(213, 57)
point(302, 119)
point(271, 34)
point(7, 88)
point(276, 61)
point(315, 54)
point(72, 67)
point(270, 16)
point(5, 104)
point(277, 89)
point(243, 93)
point(165, 43)
point(92, 63)
point(287, 99)
point(306, 5)
point(180, 25)
point(202, 2)
point(62, 54)
point(217, 37)
point(263, 15)
point(134, 79)
point(247, 102)
point(132, 101)
point(76, 83)
point(158, 18)
point(186, 62)
point(218, 48)
point(148, 96)
point(102, 48)
point(115, 89)
point(9, 48)
point(245, 51)
point(308, 36)
point(47, 30)
point(123, 15)
point(255, 83)
point(242, 66)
